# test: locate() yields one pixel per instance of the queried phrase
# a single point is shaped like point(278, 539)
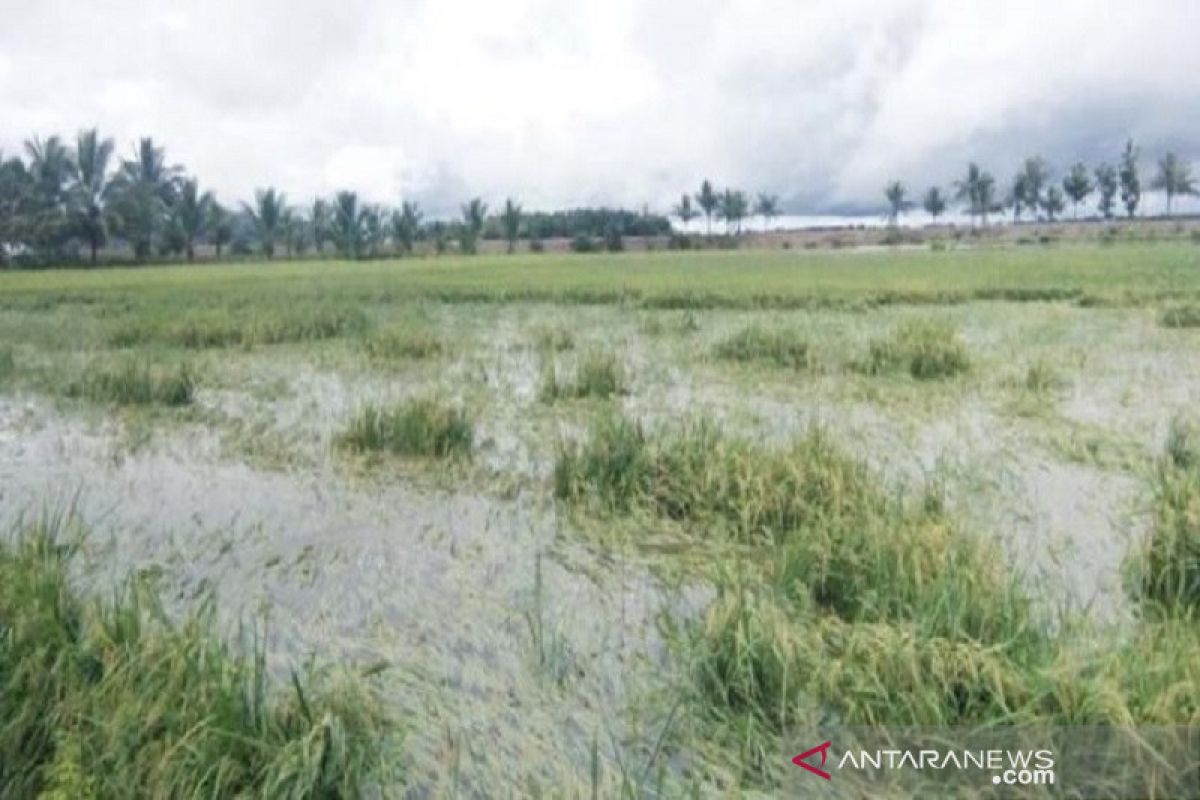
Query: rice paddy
point(699, 500)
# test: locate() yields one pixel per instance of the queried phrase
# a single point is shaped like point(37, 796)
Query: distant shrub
point(614, 242)
point(926, 349)
point(424, 428)
point(584, 244)
point(754, 343)
point(537, 246)
point(1181, 317)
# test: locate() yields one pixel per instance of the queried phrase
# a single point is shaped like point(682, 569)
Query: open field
point(617, 524)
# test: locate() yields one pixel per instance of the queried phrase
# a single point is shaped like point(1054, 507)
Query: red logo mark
point(802, 760)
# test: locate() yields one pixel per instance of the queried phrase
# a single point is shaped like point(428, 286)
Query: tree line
point(1033, 190)
point(58, 200)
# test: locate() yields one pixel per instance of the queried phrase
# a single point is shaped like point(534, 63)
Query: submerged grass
point(598, 374)
point(926, 349)
point(403, 343)
point(784, 348)
point(847, 602)
point(1181, 317)
point(237, 327)
point(553, 338)
point(134, 383)
point(1166, 571)
point(423, 428)
point(113, 700)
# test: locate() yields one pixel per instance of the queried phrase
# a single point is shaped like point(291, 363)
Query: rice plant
point(1180, 317)
point(1166, 570)
point(422, 428)
point(598, 374)
point(134, 383)
point(780, 347)
point(402, 344)
point(926, 349)
point(553, 338)
point(111, 699)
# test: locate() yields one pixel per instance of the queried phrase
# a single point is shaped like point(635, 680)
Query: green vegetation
point(926, 349)
point(598, 374)
point(850, 603)
point(225, 328)
point(1181, 317)
point(402, 343)
point(783, 348)
point(1168, 567)
point(422, 428)
point(554, 338)
point(133, 383)
point(110, 699)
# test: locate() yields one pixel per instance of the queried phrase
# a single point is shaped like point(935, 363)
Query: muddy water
point(440, 585)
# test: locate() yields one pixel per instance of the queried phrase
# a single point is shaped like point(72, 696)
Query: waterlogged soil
point(429, 573)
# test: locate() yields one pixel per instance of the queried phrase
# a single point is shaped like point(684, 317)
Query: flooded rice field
point(523, 641)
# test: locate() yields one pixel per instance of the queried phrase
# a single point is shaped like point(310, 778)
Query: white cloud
point(625, 101)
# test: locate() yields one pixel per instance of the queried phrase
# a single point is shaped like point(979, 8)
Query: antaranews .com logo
point(1003, 761)
point(1005, 767)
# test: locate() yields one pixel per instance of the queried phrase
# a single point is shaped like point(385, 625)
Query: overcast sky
point(614, 101)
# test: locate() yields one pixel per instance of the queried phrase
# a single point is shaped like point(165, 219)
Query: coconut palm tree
point(90, 190)
point(511, 218)
point(220, 226)
point(347, 224)
point(896, 194)
point(767, 207)
point(144, 189)
point(935, 203)
point(406, 224)
point(267, 214)
point(1078, 185)
point(978, 190)
point(1131, 182)
point(708, 200)
point(192, 210)
point(1174, 178)
point(1106, 189)
point(319, 222)
point(684, 211)
point(732, 208)
point(474, 213)
point(49, 174)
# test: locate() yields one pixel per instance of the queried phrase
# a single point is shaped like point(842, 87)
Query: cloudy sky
point(563, 102)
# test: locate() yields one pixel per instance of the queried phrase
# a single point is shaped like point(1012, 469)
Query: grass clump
point(1041, 377)
point(1167, 568)
point(693, 473)
point(598, 374)
point(926, 349)
point(8, 363)
point(113, 700)
point(402, 344)
point(133, 383)
point(230, 327)
point(422, 428)
point(554, 338)
point(1181, 317)
point(783, 348)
